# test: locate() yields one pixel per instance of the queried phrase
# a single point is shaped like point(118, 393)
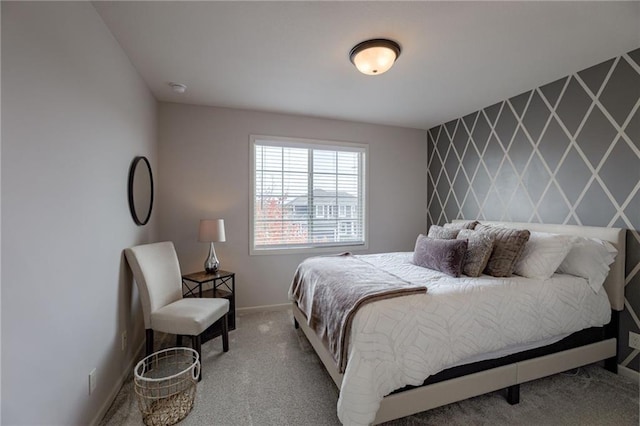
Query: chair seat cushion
point(189, 316)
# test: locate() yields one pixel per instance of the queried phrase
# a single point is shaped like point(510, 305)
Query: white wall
point(204, 159)
point(75, 113)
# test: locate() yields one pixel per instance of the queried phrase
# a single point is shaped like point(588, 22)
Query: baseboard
point(116, 388)
point(627, 372)
point(264, 308)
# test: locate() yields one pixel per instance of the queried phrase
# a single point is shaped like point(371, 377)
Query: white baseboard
point(264, 308)
point(116, 388)
point(627, 372)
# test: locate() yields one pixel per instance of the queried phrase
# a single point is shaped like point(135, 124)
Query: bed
point(451, 375)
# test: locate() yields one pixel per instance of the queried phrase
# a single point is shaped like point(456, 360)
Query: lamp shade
point(373, 57)
point(211, 231)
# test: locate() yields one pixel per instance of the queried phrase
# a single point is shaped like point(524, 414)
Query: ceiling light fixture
point(178, 87)
point(373, 57)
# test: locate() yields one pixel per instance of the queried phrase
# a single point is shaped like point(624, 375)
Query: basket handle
point(196, 370)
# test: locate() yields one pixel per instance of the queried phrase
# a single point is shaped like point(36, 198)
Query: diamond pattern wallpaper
point(567, 152)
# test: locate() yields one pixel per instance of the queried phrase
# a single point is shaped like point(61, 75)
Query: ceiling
point(292, 57)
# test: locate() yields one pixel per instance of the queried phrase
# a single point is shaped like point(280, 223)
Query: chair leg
point(225, 333)
point(197, 346)
point(149, 341)
point(179, 340)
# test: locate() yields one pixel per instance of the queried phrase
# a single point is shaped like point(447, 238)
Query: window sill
point(309, 250)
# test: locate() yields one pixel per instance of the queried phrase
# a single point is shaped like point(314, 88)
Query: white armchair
point(156, 271)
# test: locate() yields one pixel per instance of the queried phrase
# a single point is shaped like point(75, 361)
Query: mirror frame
point(132, 207)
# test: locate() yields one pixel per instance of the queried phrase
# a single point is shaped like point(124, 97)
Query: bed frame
point(459, 383)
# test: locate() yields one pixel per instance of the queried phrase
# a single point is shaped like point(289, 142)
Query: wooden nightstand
point(218, 284)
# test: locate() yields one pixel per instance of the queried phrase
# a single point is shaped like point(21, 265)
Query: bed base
point(506, 377)
point(577, 339)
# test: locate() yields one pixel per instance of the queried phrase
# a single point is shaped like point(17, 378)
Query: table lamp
point(211, 230)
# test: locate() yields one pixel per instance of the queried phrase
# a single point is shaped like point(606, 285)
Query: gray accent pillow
point(479, 248)
point(441, 255)
point(469, 224)
point(507, 248)
point(442, 233)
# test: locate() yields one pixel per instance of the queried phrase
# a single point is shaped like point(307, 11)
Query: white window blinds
point(307, 194)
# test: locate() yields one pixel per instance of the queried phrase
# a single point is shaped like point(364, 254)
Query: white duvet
point(402, 341)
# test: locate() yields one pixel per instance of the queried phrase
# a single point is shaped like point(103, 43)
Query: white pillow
point(589, 258)
point(542, 255)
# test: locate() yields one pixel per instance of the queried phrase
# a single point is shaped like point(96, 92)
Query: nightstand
point(217, 284)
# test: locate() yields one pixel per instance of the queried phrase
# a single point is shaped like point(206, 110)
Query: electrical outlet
point(124, 340)
point(92, 381)
point(634, 340)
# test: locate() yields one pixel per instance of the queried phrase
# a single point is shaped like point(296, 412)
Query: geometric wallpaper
point(567, 152)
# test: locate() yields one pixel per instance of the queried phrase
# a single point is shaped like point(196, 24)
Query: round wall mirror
point(140, 190)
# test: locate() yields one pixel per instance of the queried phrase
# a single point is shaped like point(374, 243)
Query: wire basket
point(165, 383)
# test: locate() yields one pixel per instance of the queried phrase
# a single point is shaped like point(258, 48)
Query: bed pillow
point(589, 258)
point(439, 232)
point(542, 255)
point(479, 248)
point(469, 224)
point(507, 248)
point(441, 255)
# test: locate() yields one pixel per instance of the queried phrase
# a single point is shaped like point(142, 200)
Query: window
point(306, 194)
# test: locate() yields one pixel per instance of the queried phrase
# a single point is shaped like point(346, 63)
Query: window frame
point(281, 141)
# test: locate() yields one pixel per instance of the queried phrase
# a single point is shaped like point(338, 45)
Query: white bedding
point(402, 341)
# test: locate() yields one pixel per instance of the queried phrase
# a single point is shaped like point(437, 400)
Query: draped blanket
point(330, 290)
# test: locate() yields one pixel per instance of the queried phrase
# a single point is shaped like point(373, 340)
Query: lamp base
point(211, 265)
point(212, 269)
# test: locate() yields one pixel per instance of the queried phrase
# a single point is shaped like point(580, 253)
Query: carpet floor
point(272, 376)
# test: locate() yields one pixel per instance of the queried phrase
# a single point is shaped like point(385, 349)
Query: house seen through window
point(307, 194)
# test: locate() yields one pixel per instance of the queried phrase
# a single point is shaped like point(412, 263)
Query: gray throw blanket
point(330, 290)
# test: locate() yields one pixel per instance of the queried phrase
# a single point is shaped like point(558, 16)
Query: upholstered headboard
point(614, 284)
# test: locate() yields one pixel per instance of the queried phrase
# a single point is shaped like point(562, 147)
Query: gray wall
point(566, 152)
point(204, 158)
point(74, 115)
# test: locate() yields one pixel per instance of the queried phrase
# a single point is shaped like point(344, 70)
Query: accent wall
point(567, 152)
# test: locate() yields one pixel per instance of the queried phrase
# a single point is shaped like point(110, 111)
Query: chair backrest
point(156, 270)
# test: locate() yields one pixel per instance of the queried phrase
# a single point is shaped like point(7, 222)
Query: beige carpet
point(271, 376)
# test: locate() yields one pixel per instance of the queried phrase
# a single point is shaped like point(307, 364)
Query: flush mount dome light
point(178, 87)
point(373, 57)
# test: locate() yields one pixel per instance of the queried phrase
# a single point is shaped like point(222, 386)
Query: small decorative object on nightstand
point(223, 284)
point(211, 231)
